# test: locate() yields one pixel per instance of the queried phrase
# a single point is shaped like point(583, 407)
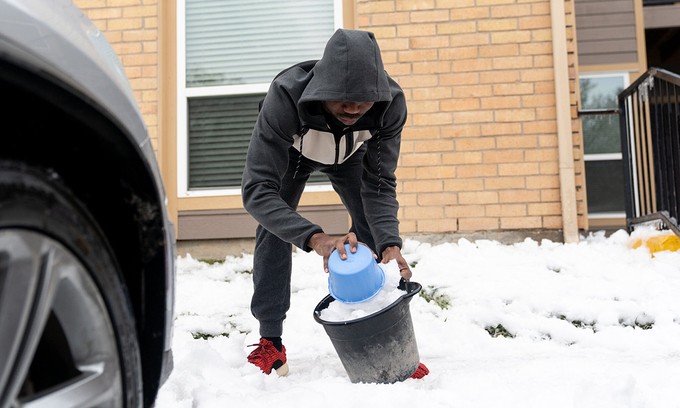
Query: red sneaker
point(267, 357)
point(420, 372)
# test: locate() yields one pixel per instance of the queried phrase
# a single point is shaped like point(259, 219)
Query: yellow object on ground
point(667, 242)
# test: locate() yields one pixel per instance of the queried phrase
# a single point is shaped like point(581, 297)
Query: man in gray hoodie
point(343, 116)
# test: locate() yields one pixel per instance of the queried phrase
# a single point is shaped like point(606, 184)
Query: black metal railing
point(650, 141)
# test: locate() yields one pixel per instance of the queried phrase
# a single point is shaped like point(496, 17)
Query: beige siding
point(606, 32)
point(221, 224)
point(666, 16)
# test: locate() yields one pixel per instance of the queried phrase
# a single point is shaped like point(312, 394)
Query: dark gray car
point(86, 246)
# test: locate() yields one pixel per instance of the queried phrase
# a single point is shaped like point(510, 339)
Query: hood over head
point(351, 69)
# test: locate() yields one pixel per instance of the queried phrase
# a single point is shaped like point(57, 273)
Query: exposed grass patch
point(206, 336)
point(430, 294)
point(212, 261)
point(554, 268)
point(230, 326)
point(644, 324)
point(582, 325)
point(499, 331)
point(579, 324)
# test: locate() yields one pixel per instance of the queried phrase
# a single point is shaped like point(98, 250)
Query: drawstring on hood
point(299, 160)
point(379, 168)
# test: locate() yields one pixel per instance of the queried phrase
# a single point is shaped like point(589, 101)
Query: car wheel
point(67, 331)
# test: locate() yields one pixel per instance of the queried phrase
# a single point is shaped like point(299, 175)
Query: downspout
point(564, 130)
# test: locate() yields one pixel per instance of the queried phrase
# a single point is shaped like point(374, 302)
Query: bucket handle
point(410, 287)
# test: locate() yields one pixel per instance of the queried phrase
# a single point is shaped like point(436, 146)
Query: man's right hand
point(324, 244)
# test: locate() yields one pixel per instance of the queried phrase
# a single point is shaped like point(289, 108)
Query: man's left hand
point(394, 252)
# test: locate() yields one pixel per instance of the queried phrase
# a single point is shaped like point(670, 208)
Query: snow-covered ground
point(534, 324)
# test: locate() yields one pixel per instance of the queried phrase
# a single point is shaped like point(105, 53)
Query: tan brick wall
point(131, 26)
point(480, 146)
point(479, 149)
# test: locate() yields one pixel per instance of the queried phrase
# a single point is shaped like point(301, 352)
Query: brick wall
point(479, 149)
point(131, 26)
point(480, 146)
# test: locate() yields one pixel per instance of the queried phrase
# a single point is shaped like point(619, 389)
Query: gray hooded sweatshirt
point(291, 116)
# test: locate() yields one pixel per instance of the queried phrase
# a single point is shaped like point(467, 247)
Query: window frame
point(184, 93)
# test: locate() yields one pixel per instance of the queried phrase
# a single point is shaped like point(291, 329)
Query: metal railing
point(650, 141)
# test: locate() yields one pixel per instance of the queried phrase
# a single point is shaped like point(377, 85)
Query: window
point(229, 53)
point(602, 142)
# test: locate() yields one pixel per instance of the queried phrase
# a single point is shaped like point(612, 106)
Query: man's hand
point(323, 244)
point(394, 252)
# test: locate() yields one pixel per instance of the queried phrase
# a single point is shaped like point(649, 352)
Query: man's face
point(347, 112)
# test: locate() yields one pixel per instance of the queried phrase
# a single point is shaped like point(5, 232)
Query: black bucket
point(378, 348)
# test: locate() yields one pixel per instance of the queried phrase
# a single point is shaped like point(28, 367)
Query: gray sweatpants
point(273, 257)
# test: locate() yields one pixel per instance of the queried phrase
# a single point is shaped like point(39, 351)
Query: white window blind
point(232, 42)
point(232, 49)
point(219, 129)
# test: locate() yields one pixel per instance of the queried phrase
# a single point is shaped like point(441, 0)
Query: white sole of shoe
point(283, 370)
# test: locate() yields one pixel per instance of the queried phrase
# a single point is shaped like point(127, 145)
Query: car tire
point(65, 314)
